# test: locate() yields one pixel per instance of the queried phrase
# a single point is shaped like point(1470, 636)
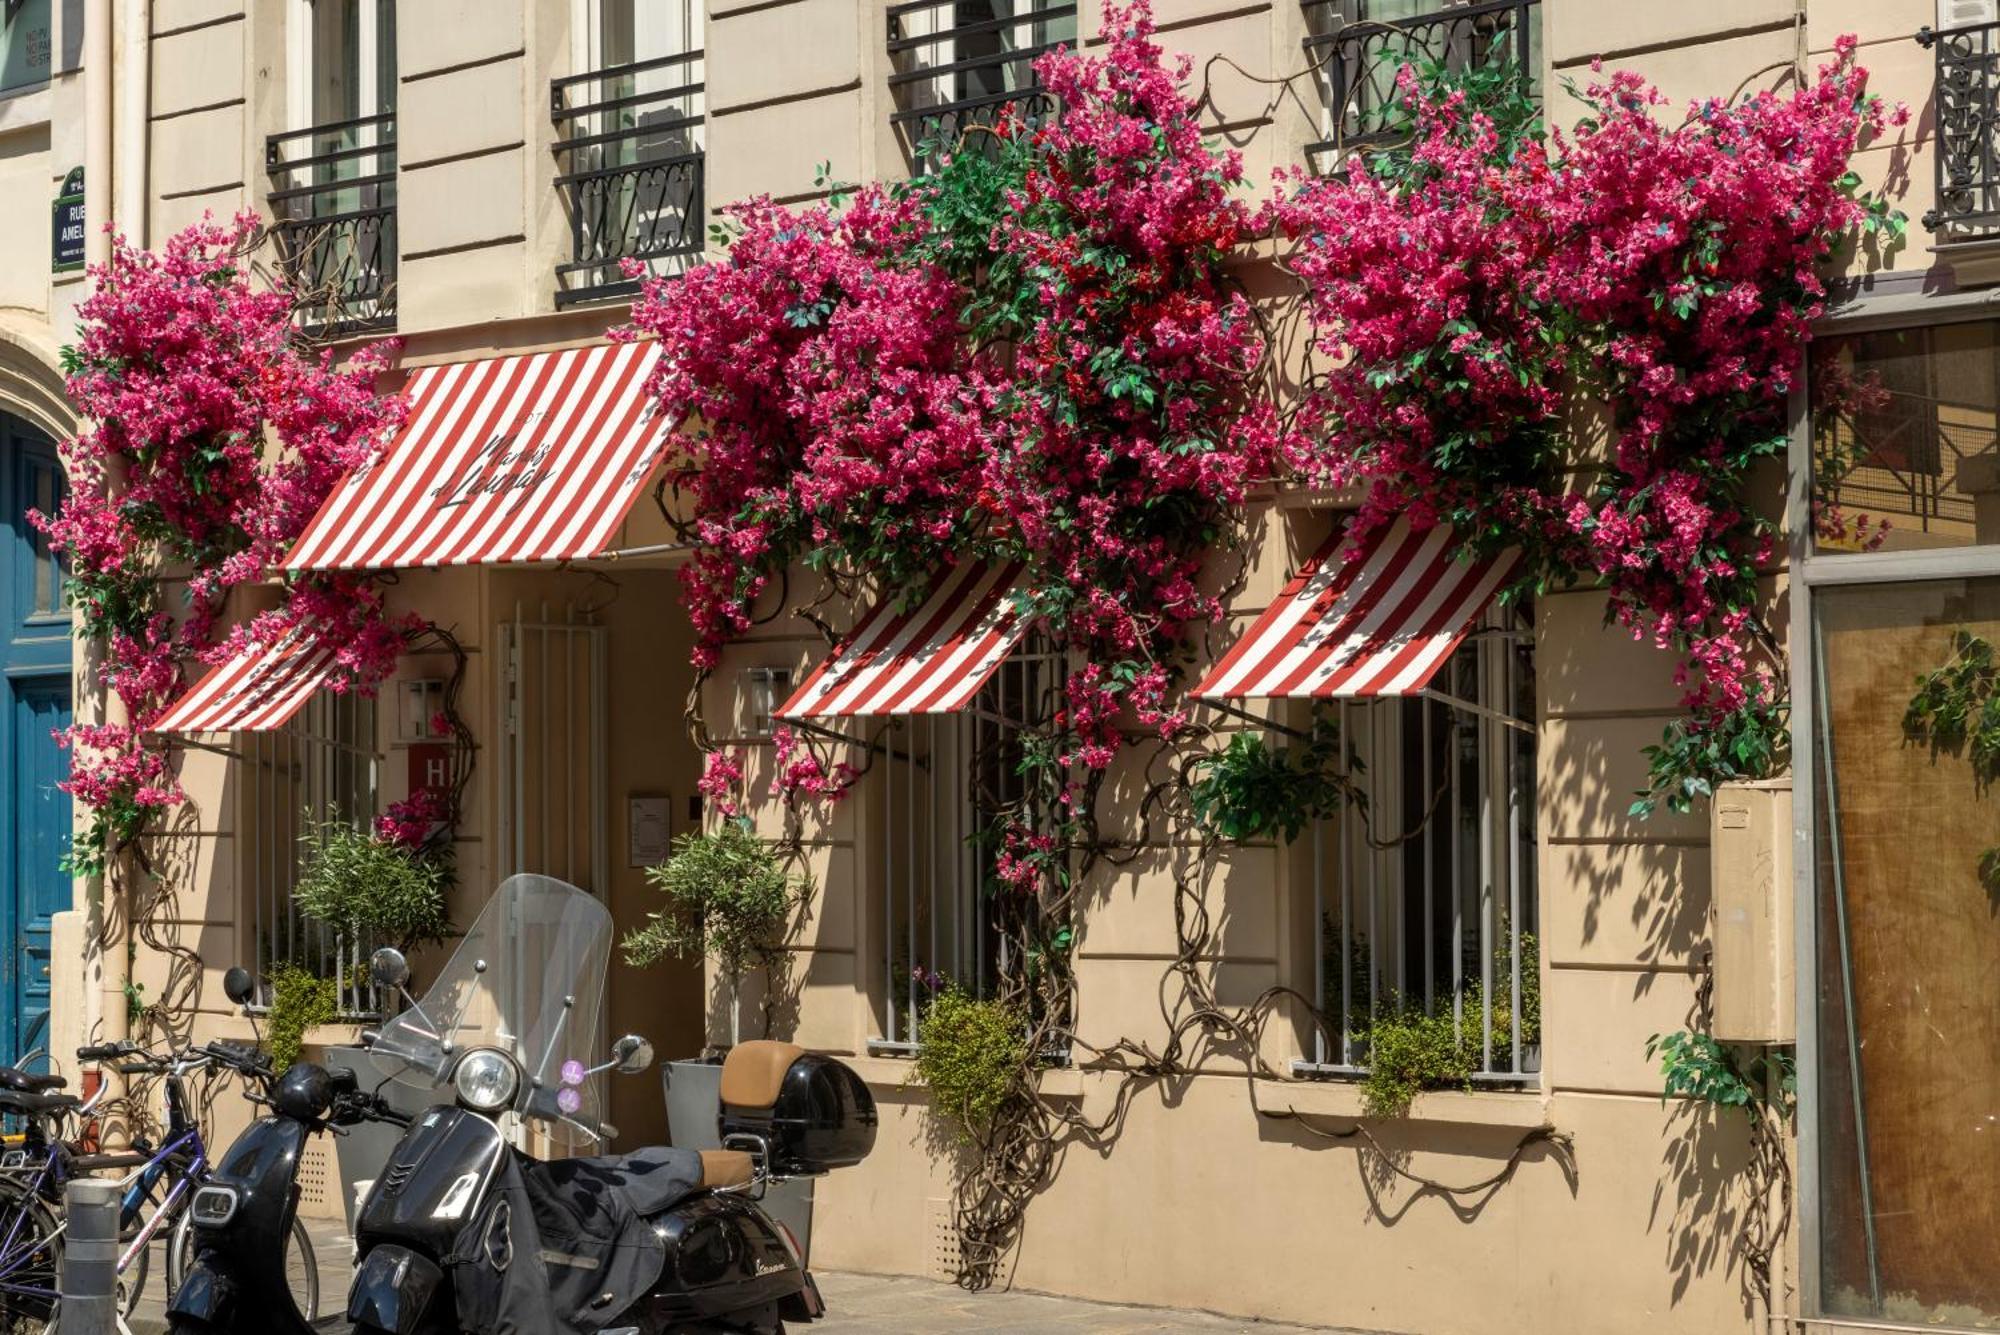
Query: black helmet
point(304, 1091)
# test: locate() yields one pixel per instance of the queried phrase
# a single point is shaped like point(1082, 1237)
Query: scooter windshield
point(528, 980)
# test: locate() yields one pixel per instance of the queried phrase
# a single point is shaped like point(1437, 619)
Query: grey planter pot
point(694, 1104)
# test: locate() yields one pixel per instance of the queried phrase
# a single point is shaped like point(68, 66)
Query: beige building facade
point(465, 174)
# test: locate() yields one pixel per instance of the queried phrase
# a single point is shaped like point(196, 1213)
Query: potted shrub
point(729, 896)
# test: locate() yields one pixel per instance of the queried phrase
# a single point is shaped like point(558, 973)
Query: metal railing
point(630, 171)
point(333, 205)
point(321, 767)
point(1426, 901)
point(1356, 52)
point(958, 65)
point(939, 784)
point(1968, 129)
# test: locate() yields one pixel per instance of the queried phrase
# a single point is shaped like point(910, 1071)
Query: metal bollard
point(89, 1280)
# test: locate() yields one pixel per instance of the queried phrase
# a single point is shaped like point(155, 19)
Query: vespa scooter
point(463, 1233)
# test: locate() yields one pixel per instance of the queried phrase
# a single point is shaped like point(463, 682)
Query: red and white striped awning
point(528, 458)
point(931, 660)
point(257, 690)
point(1381, 621)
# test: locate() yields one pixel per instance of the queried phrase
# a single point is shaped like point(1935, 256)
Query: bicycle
point(32, 1179)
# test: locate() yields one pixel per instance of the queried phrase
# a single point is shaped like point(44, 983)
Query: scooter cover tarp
point(563, 1246)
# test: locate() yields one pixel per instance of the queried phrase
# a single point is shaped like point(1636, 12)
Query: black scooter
point(463, 1233)
point(241, 1217)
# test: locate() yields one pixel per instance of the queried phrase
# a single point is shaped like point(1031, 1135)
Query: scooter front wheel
point(301, 1264)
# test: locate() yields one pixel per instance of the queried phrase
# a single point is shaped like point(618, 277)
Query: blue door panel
point(41, 838)
point(34, 703)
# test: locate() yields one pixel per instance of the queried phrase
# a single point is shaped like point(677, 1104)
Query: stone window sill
point(1342, 1098)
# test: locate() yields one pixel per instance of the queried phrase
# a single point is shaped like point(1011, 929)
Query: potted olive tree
point(728, 897)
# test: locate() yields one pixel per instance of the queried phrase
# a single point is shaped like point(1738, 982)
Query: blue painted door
point(34, 703)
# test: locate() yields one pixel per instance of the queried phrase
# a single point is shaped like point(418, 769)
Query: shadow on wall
point(1702, 1199)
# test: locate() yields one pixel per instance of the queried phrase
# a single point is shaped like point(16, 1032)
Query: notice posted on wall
point(649, 824)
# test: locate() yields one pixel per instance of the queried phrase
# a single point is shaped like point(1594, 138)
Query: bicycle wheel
point(180, 1251)
point(302, 1271)
point(30, 1256)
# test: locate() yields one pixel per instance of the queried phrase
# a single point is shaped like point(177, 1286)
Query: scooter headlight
point(486, 1080)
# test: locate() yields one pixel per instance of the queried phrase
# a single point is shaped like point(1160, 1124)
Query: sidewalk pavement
point(856, 1305)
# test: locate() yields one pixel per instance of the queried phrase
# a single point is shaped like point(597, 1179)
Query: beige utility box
point(1750, 856)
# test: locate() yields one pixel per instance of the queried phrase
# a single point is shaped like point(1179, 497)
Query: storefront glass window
point(1906, 742)
point(1904, 443)
point(25, 42)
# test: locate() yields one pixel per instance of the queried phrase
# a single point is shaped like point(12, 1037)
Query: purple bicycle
point(159, 1179)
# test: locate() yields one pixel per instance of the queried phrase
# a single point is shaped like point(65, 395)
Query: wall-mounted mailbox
point(1750, 856)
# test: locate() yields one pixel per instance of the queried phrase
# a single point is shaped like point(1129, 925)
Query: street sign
point(66, 246)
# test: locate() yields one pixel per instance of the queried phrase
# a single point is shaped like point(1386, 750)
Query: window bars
point(1427, 901)
point(1968, 129)
point(1357, 48)
point(320, 767)
point(630, 171)
point(958, 64)
point(942, 782)
point(333, 205)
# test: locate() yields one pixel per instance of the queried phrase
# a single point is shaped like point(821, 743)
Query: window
point(958, 64)
point(320, 767)
point(629, 160)
point(1426, 899)
point(939, 786)
point(1907, 863)
point(26, 40)
point(1357, 48)
point(1906, 439)
point(333, 175)
point(1896, 743)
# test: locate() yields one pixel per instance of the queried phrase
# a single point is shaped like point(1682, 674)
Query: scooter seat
point(722, 1169)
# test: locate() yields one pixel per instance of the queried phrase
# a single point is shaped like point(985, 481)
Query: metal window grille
point(941, 783)
point(1357, 47)
point(1428, 901)
point(1968, 130)
point(630, 172)
point(553, 775)
point(333, 208)
point(320, 767)
point(958, 64)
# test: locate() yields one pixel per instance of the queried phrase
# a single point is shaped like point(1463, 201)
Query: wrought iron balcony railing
point(959, 63)
point(1968, 129)
point(629, 169)
point(1357, 47)
point(333, 205)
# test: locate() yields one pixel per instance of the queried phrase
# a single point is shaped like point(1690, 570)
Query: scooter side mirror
point(388, 968)
point(238, 985)
point(632, 1054)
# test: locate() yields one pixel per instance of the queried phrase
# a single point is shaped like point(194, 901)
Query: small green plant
point(970, 1053)
point(728, 895)
point(1700, 1067)
point(1249, 790)
point(1410, 1049)
point(1956, 712)
point(370, 889)
point(300, 1001)
point(1751, 743)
